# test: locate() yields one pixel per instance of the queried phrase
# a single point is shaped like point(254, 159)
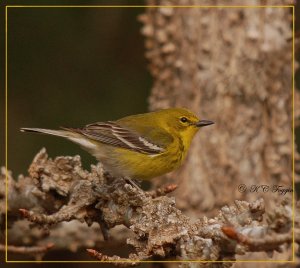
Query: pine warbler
point(139, 146)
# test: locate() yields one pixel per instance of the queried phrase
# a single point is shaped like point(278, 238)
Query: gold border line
point(6, 142)
point(139, 261)
point(154, 6)
point(293, 134)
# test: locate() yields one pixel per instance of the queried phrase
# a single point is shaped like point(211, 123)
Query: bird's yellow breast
point(121, 162)
point(144, 166)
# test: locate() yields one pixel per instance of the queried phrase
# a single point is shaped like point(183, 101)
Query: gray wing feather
point(112, 134)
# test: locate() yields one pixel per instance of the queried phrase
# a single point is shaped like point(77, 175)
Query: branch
point(155, 227)
point(118, 261)
point(27, 250)
point(36, 251)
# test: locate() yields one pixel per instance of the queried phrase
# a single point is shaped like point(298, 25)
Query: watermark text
point(264, 188)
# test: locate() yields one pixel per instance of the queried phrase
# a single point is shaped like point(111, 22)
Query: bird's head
point(183, 122)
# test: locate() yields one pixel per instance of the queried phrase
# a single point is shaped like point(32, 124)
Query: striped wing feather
point(113, 134)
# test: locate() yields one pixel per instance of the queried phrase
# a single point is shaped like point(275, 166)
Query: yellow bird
point(139, 146)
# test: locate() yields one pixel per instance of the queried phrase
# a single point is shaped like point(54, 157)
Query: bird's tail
point(60, 133)
point(68, 133)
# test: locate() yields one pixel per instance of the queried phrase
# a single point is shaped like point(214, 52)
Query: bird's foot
point(134, 183)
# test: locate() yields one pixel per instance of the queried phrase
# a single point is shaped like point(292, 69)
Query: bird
point(138, 147)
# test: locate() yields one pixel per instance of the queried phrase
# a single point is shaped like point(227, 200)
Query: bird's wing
point(113, 134)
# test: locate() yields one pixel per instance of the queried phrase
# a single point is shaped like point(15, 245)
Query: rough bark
point(58, 192)
point(232, 66)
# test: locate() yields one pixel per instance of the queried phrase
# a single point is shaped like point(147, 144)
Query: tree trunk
point(232, 66)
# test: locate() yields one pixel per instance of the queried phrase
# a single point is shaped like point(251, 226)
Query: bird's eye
point(183, 119)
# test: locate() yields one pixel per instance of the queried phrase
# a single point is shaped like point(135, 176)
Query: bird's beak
point(203, 123)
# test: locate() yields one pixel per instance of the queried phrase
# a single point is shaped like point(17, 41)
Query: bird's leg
point(134, 183)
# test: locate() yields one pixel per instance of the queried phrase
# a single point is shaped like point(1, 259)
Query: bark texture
point(60, 198)
point(232, 66)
